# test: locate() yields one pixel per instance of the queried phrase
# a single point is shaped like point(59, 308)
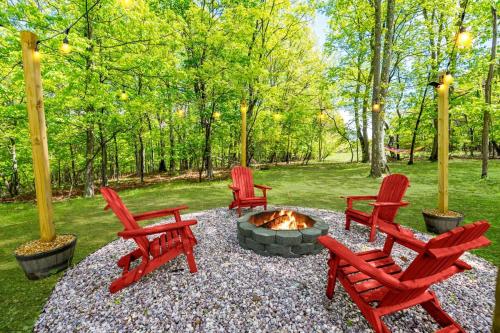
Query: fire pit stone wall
point(285, 243)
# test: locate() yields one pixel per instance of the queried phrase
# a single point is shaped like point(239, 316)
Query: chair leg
point(191, 262)
point(265, 206)
point(440, 316)
point(347, 222)
point(333, 263)
point(378, 325)
point(239, 211)
point(373, 233)
point(128, 278)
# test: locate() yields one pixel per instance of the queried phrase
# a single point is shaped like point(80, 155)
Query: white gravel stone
point(236, 290)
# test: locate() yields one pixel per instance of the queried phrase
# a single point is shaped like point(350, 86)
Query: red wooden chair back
point(393, 189)
point(243, 179)
point(126, 218)
point(440, 253)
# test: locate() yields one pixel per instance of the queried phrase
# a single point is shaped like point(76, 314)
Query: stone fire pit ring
point(284, 243)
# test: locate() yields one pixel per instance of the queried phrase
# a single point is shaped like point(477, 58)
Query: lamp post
point(243, 108)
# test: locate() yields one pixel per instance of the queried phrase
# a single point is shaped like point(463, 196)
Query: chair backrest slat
point(243, 179)
point(392, 189)
point(123, 214)
point(460, 239)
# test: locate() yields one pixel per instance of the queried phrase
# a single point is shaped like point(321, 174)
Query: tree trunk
point(487, 98)
point(14, 178)
point(104, 156)
point(377, 162)
point(89, 168)
point(417, 123)
point(116, 168)
point(171, 134)
point(366, 145)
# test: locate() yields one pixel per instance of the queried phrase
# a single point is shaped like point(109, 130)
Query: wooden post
point(243, 108)
point(443, 145)
point(38, 134)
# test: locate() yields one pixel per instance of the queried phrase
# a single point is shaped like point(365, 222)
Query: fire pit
point(283, 233)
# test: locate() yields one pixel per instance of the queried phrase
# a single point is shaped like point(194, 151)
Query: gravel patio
point(236, 290)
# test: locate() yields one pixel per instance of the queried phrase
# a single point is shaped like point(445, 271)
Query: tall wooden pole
point(38, 134)
point(243, 108)
point(443, 145)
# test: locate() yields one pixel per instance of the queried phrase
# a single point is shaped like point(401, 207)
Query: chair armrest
point(159, 213)
point(344, 253)
point(402, 238)
point(359, 197)
point(234, 188)
point(156, 229)
point(263, 187)
point(389, 204)
point(352, 198)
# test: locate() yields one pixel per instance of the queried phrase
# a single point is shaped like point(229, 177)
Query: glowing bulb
point(123, 96)
point(464, 39)
point(65, 47)
point(376, 107)
point(180, 113)
point(216, 115)
point(126, 3)
point(448, 79)
point(36, 55)
point(276, 117)
point(442, 88)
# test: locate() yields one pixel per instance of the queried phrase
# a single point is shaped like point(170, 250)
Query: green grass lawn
point(318, 185)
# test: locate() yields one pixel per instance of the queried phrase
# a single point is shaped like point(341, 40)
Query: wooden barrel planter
point(441, 224)
point(41, 265)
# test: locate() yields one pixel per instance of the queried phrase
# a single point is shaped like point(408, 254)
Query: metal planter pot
point(441, 224)
point(41, 265)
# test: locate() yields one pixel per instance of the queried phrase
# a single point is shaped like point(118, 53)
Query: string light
point(448, 78)
point(123, 95)
point(65, 47)
point(376, 107)
point(216, 115)
point(36, 54)
point(442, 88)
point(126, 3)
point(180, 113)
point(464, 39)
point(277, 117)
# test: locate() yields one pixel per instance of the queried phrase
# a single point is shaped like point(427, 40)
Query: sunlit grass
point(315, 185)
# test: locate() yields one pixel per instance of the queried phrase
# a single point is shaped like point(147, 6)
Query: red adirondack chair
point(385, 207)
point(243, 190)
point(173, 240)
point(380, 287)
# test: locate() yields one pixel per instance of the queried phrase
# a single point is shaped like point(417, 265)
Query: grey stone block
point(264, 236)
point(288, 237)
point(309, 235)
point(277, 249)
point(303, 248)
point(246, 229)
point(252, 244)
point(322, 226)
point(242, 242)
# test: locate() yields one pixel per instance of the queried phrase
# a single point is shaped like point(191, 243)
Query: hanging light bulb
point(216, 115)
point(277, 117)
point(442, 88)
point(180, 113)
point(36, 53)
point(376, 107)
point(126, 3)
point(464, 39)
point(448, 79)
point(65, 47)
point(123, 95)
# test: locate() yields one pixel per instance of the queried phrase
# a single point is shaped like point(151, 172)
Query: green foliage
point(184, 67)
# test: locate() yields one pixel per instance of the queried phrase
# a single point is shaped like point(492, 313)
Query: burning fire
point(284, 220)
